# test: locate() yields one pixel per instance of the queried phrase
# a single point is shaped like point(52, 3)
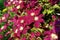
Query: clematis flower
point(29, 19)
point(14, 10)
point(53, 16)
point(19, 4)
point(14, 20)
point(18, 30)
point(3, 27)
point(51, 23)
point(25, 29)
point(34, 12)
point(4, 18)
point(32, 34)
point(22, 20)
point(29, 14)
point(7, 4)
point(47, 35)
point(17, 33)
point(38, 20)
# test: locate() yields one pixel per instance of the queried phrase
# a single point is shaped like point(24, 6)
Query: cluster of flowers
point(28, 22)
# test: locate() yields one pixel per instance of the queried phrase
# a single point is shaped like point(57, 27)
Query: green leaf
point(50, 11)
point(45, 11)
point(10, 26)
point(1, 13)
point(50, 27)
point(56, 6)
point(12, 14)
point(2, 24)
point(34, 29)
point(4, 10)
point(41, 30)
point(6, 37)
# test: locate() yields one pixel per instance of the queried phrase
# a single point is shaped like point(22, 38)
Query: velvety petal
point(1, 36)
point(29, 19)
point(41, 20)
point(47, 38)
point(24, 31)
point(37, 34)
point(32, 34)
point(37, 24)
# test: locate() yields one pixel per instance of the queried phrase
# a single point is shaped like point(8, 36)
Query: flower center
point(20, 1)
point(14, 2)
point(54, 36)
point(32, 14)
point(22, 21)
point(21, 28)
point(2, 27)
point(18, 7)
point(47, 26)
point(36, 18)
point(11, 0)
point(16, 30)
point(3, 18)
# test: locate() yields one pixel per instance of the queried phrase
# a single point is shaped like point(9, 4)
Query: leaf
point(6, 37)
point(50, 11)
point(1, 4)
point(45, 11)
point(34, 29)
point(1, 13)
point(12, 14)
point(4, 10)
point(56, 6)
point(41, 30)
point(2, 24)
point(50, 27)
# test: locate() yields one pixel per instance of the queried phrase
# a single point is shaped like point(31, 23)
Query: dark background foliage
point(2, 4)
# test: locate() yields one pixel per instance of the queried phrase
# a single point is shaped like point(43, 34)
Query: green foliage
point(1, 13)
point(2, 4)
point(12, 14)
point(2, 24)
